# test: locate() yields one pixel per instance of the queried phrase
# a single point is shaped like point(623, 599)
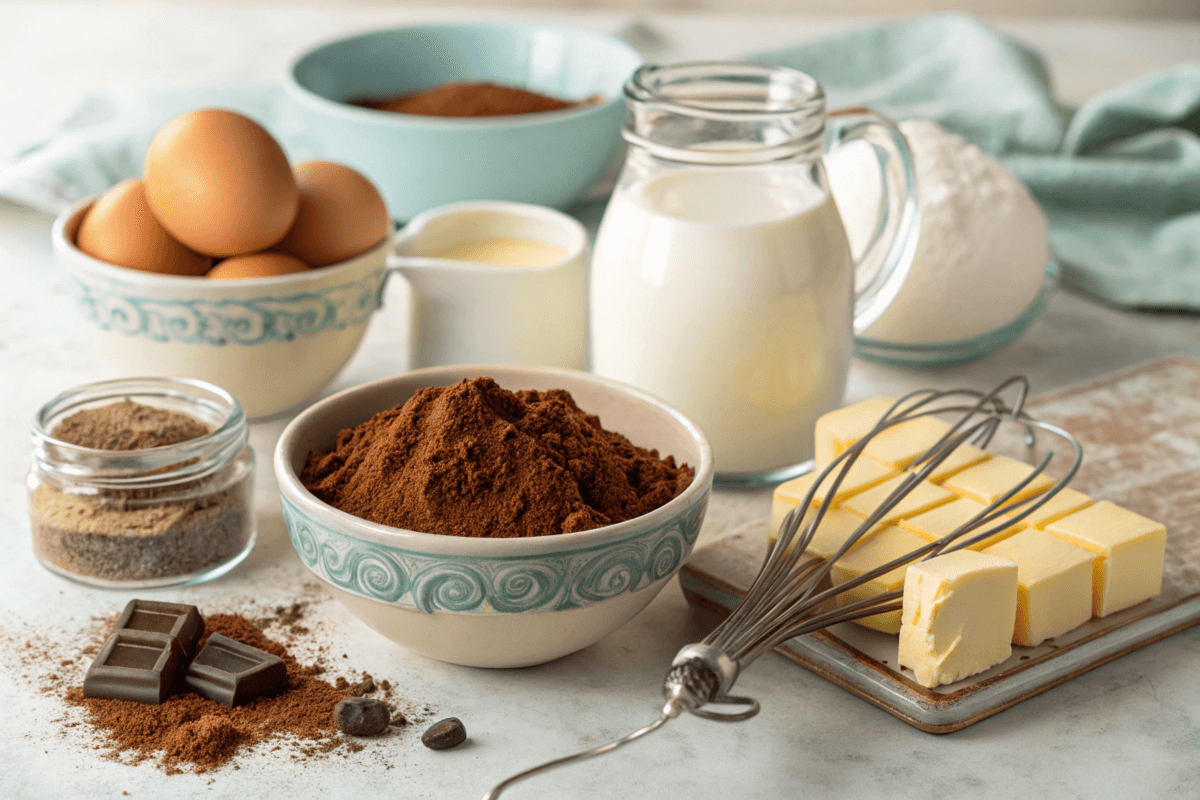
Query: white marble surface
point(1128, 729)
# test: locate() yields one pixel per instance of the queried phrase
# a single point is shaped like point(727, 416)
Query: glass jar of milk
point(722, 279)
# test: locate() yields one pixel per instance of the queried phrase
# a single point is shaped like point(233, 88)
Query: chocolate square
point(230, 672)
point(174, 619)
point(134, 665)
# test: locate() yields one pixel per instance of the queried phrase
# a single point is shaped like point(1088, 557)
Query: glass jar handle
point(887, 257)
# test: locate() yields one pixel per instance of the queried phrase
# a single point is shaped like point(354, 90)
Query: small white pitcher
point(472, 313)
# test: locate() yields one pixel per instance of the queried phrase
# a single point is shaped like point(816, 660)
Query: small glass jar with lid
point(166, 515)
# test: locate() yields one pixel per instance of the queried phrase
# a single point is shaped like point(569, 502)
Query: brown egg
point(220, 184)
point(341, 215)
point(121, 229)
point(257, 265)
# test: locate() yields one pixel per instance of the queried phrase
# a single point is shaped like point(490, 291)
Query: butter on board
point(958, 616)
point(1129, 547)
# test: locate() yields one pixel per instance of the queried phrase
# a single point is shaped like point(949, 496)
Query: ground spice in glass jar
point(466, 100)
point(476, 460)
point(119, 496)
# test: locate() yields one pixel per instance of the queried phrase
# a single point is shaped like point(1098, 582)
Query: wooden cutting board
point(1140, 430)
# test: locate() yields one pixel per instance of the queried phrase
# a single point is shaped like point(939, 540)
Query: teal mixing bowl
point(419, 162)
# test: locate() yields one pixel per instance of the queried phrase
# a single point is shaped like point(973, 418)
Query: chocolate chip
point(361, 716)
point(444, 734)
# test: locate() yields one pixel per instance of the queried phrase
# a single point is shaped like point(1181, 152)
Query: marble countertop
point(1128, 729)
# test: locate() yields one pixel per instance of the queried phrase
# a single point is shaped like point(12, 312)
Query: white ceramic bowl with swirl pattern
point(272, 343)
point(495, 602)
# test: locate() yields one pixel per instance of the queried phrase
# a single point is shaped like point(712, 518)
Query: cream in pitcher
point(722, 279)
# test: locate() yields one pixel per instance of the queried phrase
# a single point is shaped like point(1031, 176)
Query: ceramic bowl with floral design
point(272, 343)
point(495, 602)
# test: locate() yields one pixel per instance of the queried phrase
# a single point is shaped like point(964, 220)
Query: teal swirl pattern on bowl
point(568, 578)
point(232, 321)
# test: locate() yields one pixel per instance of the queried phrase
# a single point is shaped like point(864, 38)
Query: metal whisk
point(787, 598)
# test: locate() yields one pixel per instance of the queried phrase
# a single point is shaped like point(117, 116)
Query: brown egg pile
point(218, 199)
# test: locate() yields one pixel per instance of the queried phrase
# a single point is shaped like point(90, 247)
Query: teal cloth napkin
point(1119, 178)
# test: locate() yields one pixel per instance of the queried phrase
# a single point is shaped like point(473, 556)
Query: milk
point(728, 292)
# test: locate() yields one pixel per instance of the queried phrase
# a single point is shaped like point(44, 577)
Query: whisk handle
point(703, 674)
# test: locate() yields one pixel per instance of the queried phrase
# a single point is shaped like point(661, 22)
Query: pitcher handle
point(884, 263)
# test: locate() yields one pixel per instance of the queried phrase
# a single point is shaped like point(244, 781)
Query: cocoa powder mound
point(190, 732)
point(476, 460)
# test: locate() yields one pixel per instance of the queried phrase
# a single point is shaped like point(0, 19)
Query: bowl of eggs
point(226, 264)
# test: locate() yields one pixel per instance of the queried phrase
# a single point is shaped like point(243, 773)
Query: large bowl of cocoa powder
point(444, 113)
point(493, 516)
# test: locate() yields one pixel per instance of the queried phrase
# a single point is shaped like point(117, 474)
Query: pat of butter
point(1054, 584)
point(1067, 501)
point(958, 616)
point(883, 547)
point(940, 522)
point(899, 445)
point(922, 497)
point(836, 527)
point(1130, 550)
point(505, 251)
point(963, 456)
point(991, 479)
point(837, 430)
point(863, 474)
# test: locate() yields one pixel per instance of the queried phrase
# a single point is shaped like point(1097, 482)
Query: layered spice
point(476, 460)
point(139, 534)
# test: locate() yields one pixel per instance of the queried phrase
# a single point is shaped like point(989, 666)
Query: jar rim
point(158, 466)
point(725, 113)
point(808, 97)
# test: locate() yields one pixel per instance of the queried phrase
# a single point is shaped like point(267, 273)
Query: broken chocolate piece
point(229, 672)
point(134, 665)
point(362, 716)
point(174, 619)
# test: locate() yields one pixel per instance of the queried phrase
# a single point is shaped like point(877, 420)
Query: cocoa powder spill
point(465, 100)
point(475, 460)
point(191, 733)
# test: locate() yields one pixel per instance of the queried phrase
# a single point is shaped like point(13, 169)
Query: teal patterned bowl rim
point(66, 225)
point(192, 310)
point(434, 573)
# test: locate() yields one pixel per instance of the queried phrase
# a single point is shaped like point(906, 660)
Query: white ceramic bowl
point(270, 342)
point(495, 602)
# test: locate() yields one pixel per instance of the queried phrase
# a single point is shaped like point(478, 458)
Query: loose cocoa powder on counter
point(476, 460)
point(188, 732)
point(465, 100)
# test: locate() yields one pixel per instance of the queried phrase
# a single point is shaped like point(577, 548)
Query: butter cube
point(922, 497)
point(837, 430)
point(962, 457)
point(836, 527)
point(863, 475)
point(900, 444)
point(940, 522)
point(989, 480)
point(885, 546)
point(1054, 584)
point(1067, 501)
point(958, 616)
point(1130, 549)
